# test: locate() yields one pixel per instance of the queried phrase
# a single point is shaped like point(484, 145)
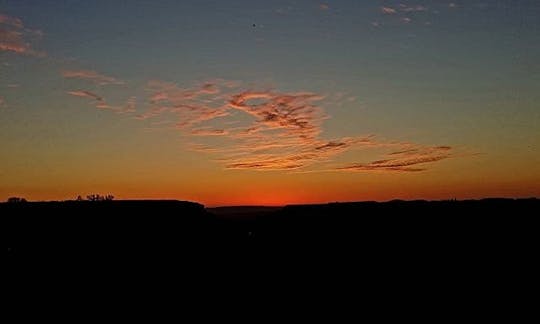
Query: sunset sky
point(258, 102)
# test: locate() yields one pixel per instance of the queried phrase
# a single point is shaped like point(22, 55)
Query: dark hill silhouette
point(127, 229)
point(446, 247)
point(112, 229)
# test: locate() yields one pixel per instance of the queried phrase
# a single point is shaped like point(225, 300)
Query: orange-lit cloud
point(263, 130)
point(410, 160)
point(91, 76)
point(208, 132)
point(267, 129)
point(11, 21)
point(191, 106)
point(15, 38)
point(85, 94)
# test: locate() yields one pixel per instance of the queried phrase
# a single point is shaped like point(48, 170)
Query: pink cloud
point(12, 41)
point(191, 106)
point(2, 101)
point(14, 37)
point(128, 108)
point(405, 8)
point(91, 76)
point(85, 94)
point(271, 130)
point(388, 10)
point(11, 21)
point(410, 160)
point(150, 113)
point(324, 6)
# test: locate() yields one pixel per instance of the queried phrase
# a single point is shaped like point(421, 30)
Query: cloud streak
point(388, 11)
point(90, 75)
point(128, 108)
point(410, 160)
point(85, 94)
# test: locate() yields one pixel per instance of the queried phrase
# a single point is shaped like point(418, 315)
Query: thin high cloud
point(99, 102)
point(406, 8)
point(15, 38)
point(388, 11)
point(208, 132)
point(405, 14)
point(191, 106)
point(90, 76)
point(85, 94)
point(409, 160)
point(11, 21)
point(263, 130)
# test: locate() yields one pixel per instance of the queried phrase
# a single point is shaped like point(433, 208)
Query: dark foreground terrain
point(129, 227)
point(468, 249)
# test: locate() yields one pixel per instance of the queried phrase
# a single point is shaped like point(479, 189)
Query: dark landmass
point(235, 213)
point(168, 231)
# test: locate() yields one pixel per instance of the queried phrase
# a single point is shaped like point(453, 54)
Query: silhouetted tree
point(94, 197)
point(98, 197)
point(79, 198)
point(16, 200)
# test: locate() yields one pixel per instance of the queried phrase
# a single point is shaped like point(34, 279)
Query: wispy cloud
point(409, 160)
point(191, 106)
point(85, 94)
point(91, 76)
point(128, 108)
point(410, 14)
point(293, 113)
point(263, 130)
point(324, 6)
point(406, 20)
point(208, 132)
point(11, 21)
point(388, 10)
point(15, 38)
point(406, 8)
